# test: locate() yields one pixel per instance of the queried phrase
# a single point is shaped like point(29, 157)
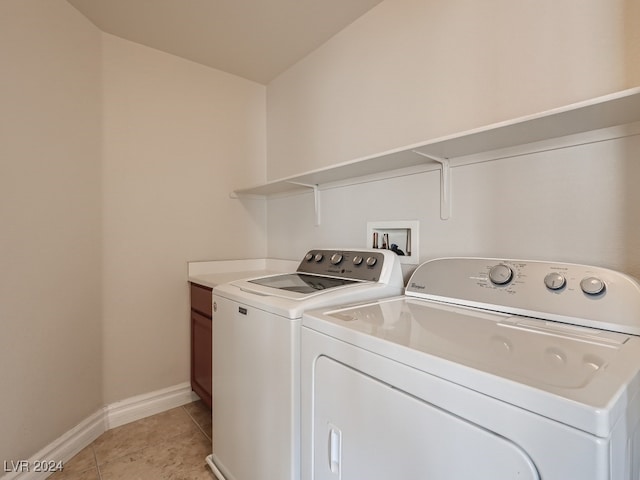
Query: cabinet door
point(367, 430)
point(201, 366)
point(201, 299)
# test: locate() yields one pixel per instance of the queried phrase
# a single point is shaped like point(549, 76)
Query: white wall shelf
point(612, 110)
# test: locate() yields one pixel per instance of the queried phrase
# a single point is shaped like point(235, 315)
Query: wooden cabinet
point(201, 341)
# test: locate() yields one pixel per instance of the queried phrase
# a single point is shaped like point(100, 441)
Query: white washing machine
point(256, 355)
point(485, 369)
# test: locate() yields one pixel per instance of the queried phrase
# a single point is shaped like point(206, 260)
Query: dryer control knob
point(336, 258)
point(357, 260)
point(592, 285)
point(554, 281)
point(308, 257)
point(319, 257)
point(371, 261)
point(500, 274)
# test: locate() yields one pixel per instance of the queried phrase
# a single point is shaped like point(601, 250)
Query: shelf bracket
point(316, 199)
point(445, 183)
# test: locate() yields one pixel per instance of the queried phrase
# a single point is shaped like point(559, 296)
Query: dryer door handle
point(335, 450)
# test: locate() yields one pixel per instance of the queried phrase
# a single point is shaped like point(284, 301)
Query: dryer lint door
point(364, 429)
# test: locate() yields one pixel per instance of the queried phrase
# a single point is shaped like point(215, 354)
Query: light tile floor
point(171, 445)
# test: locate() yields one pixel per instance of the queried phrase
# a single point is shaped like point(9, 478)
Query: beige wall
point(632, 40)
point(116, 163)
point(412, 70)
point(50, 223)
point(178, 138)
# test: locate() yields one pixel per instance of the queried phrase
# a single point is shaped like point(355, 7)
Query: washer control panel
point(364, 265)
point(571, 293)
point(502, 274)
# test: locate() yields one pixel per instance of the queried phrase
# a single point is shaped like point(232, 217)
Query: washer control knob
point(500, 274)
point(554, 281)
point(308, 257)
point(592, 285)
point(336, 258)
point(318, 257)
point(371, 261)
point(357, 260)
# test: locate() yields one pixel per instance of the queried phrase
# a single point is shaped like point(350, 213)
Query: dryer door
point(365, 429)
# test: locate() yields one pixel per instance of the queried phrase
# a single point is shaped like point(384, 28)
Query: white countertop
point(216, 272)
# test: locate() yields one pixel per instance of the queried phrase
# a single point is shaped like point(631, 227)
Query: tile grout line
point(197, 424)
point(95, 460)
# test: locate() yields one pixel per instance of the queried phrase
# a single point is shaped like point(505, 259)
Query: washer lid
point(328, 271)
point(301, 282)
point(575, 375)
point(295, 287)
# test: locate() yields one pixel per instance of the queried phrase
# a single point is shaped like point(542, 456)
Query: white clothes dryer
point(256, 355)
point(485, 369)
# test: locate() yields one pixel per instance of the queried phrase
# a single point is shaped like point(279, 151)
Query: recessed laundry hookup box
point(398, 235)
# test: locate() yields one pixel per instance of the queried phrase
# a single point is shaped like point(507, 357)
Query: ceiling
point(254, 39)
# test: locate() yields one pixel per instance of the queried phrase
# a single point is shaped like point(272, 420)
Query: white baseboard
point(61, 449)
point(147, 404)
point(214, 468)
point(111, 416)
